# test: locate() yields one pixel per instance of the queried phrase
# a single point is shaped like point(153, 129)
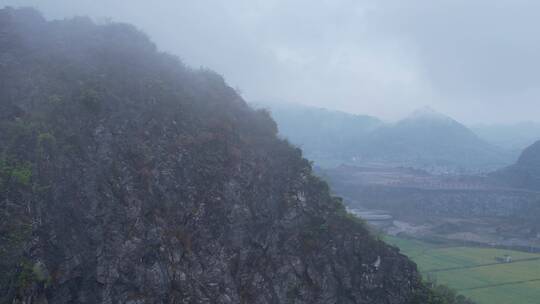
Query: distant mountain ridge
point(514, 137)
point(428, 114)
point(525, 173)
point(430, 139)
point(425, 139)
point(326, 136)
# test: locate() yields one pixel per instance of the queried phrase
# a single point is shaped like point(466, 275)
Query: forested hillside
point(126, 177)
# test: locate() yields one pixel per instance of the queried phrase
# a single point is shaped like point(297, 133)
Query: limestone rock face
point(126, 177)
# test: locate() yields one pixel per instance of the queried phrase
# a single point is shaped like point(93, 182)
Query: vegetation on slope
point(476, 272)
point(127, 177)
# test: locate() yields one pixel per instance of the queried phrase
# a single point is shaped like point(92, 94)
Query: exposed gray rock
point(153, 183)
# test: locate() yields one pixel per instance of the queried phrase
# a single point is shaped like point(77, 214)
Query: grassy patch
point(474, 271)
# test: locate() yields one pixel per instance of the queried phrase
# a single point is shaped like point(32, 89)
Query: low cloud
point(475, 60)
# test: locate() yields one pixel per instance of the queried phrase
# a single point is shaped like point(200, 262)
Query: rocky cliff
point(126, 177)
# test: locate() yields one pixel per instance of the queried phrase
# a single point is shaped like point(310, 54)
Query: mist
point(477, 62)
point(269, 152)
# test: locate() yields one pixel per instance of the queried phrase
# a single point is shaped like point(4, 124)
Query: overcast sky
point(476, 60)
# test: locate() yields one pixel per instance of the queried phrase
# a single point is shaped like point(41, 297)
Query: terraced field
point(476, 273)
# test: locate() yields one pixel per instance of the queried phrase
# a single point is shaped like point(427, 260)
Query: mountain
point(326, 136)
point(513, 137)
point(525, 173)
point(126, 177)
point(425, 139)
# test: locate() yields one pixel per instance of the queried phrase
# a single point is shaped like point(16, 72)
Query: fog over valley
point(474, 61)
point(269, 152)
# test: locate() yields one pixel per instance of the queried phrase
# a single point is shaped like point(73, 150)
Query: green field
point(474, 271)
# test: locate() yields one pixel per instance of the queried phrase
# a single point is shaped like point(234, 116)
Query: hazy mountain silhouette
point(525, 173)
point(513, 137)
point(328, 137)
point(424, 139)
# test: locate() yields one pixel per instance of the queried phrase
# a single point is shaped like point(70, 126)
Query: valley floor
point(486, 275)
